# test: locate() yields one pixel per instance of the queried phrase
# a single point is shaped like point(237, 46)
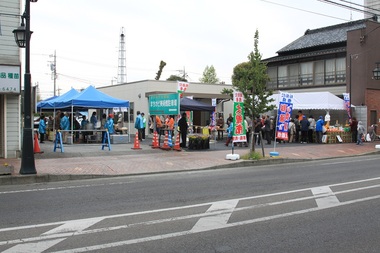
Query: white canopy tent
point(313, 101)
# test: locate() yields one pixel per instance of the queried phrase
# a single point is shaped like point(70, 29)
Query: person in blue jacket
point(230, 131)
point(42, 128)
point(319, 129)
point(64, 125)
point(109, 124)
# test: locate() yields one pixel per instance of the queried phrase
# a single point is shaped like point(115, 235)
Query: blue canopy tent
point(49, 104)
point(92, 98)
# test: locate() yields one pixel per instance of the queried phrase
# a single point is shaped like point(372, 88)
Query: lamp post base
point(27, 157)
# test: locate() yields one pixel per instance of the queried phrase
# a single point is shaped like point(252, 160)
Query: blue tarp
point(51, 102)
point(92, 98)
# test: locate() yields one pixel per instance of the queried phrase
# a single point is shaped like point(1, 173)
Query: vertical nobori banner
point(239, 134)
point(285, 108)
point(181, 88)
point(347, 104)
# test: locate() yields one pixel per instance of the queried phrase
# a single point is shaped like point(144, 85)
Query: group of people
point(300, 129)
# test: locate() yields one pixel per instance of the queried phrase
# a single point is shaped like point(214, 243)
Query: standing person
point(319, 129)
point(298, 128)
point(292, 130)
point(109, 124)
point(103, 122)
point(361, 131)
point(182, 124)
point(93, 119)
point(354, 129)
point(139, 125)
point(230, 131)
point(267, 124)
point(64, 125)
point(229, 120)
point(257, 128)
point(42, 128)
point(304, 129)
point(311, 128)
point(83, 125)
point(171, 125)
point(144, 126)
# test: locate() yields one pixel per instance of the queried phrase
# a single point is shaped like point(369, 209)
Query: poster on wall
point(10, 79)
point(285, 108)
point(239, 131)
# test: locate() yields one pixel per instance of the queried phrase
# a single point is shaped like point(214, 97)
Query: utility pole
point(53, 68)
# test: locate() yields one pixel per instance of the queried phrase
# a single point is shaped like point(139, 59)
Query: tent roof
point(187, 104)
point(314, 101)
point(92, 98)
point(50, 102)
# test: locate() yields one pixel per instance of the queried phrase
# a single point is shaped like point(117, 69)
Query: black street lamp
point(376, 71)
point(22, 37)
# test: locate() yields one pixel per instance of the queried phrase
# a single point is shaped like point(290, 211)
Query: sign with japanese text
point(285, 108)
point(182, 86)
point(10, 81)
point(347, 104)
point(239, 131)
point(164, 104)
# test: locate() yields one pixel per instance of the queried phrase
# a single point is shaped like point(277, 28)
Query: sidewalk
point(80, 161)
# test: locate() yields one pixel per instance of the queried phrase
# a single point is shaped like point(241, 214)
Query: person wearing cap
point(319, 129)
point(109, 124)
point(304, 129)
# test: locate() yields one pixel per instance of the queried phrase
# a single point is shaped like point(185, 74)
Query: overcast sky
point(186, 35)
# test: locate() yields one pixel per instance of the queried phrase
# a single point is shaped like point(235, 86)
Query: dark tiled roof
point(323, 36)
point(305, 55)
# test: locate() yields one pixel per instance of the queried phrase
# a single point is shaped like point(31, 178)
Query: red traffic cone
point(136, 145)
point(166, 142)
point(37, 149)
point(177, 144)
point(155, 143)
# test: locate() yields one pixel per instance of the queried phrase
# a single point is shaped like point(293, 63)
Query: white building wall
point(10, 137)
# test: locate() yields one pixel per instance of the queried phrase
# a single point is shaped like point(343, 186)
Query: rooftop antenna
point(121, 70)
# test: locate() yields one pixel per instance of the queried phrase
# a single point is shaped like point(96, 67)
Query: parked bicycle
point(372, 132)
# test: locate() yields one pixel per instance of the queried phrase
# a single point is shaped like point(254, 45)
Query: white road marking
point(217, 221)
point(218, 211)
point(33, 247)
point(323, 200)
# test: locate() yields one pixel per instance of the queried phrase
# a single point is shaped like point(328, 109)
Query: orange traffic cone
point(136, 145)
point(166, 142)
point(37, 149)
point(177, 144)
point(155, 143)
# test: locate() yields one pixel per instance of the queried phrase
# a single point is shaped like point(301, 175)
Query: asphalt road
point(318, 206)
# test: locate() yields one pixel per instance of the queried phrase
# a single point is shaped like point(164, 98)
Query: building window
point(319, 73)
point(341, 70)
point(294, 75)
point(282, 76)
point(128, 116)
point(272, 74)
point(306, 77)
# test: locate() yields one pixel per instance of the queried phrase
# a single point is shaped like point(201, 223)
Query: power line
point(299, 9)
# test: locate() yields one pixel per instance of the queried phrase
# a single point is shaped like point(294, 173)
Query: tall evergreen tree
point(250, 78)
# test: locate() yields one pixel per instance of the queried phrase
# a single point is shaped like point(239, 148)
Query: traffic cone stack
point(37, 149)
point(177, 145)
point(166, 143)
point(136, 145)
point(155, 143)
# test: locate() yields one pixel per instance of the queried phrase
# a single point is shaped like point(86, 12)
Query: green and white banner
point(239, 131)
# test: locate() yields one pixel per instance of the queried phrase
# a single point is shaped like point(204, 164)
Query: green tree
point(250, 78)
point(160, 68)
point(209, 75)
point(176, 78)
